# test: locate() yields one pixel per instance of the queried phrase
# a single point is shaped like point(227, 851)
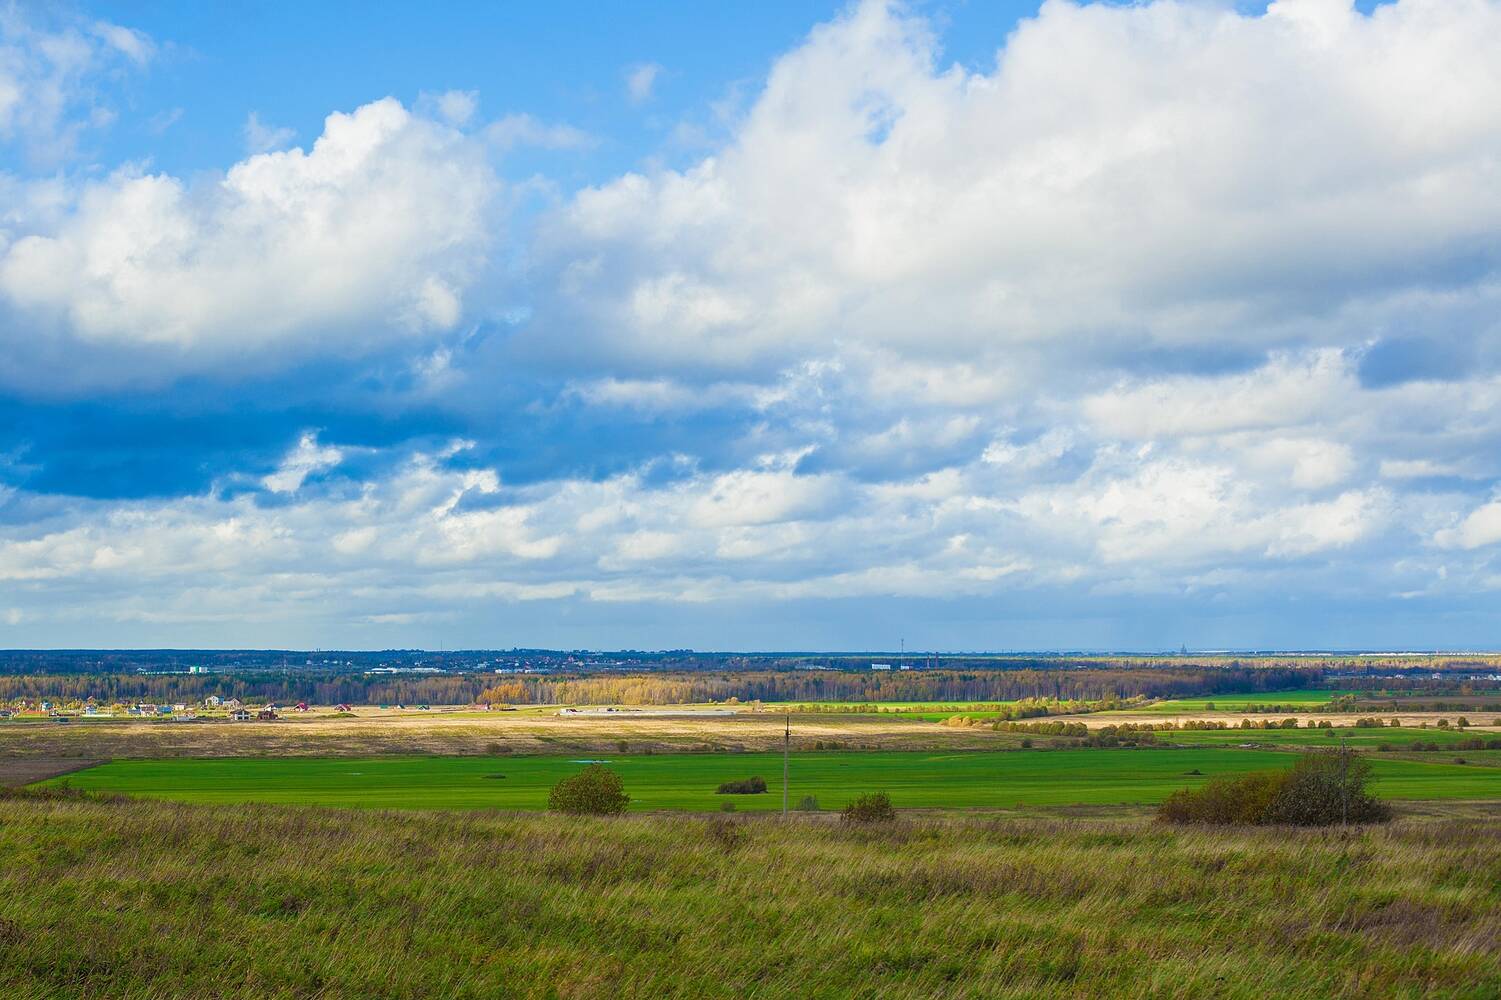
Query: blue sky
point(982, 325)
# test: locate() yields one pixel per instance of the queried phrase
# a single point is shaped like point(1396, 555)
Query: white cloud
point(1480, 528)
point(1416, 468)
point(374, 234)
point(1164, 176)
point(263, 138)
point(1097, 321)
point(517, 131)
point(640, 81)
point(301, 462)
point(50, 69)
point(457, 106)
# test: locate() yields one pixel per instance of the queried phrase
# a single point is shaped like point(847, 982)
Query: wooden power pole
point(786, 749)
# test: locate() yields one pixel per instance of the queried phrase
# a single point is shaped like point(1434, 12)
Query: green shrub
point(727, 806)
point(1321, 789)
point(750, 786)
point(808, 803)
point(1224, 800)
point(594, 791)
point(874, 807)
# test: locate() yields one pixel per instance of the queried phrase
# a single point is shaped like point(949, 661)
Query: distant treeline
point(916, 686)
point(658, 689)
point(1100, 682)
point(318, 688)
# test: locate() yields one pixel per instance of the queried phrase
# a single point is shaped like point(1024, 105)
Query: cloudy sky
point(980, 325)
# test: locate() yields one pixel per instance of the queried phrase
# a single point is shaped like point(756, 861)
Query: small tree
point(594, 791)
point(808, 803)
point(874, 807)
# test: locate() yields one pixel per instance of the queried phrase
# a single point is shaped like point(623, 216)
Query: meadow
point(688, 781)
point(135, 898)
point(1306, 700)
point(1356, 737)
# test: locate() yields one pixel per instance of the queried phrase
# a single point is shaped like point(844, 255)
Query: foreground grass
point(688, 781)
point(136, 898)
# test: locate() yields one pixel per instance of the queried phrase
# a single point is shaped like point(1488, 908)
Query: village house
point(268, 714)
point(239, 715)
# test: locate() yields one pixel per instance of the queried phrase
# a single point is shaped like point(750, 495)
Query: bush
point(594, 791)
point(874, 807)
point(1321, 789)
point(750, 786)
point(726, 806)
point(808, 803)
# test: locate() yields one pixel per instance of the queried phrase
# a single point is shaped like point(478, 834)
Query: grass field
point(145, 899)
point(1355, 737)
point(1304, 699)
point(688, 781)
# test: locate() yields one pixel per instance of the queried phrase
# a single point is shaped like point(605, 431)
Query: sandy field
point(465, 732)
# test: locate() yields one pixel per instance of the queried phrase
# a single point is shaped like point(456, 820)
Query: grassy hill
point(141, 898)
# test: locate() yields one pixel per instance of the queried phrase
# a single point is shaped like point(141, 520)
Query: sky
point(973, 325)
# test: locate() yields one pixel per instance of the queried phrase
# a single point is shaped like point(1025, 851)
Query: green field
point(687, 781)
point(1360, 739)
point(1306, 700)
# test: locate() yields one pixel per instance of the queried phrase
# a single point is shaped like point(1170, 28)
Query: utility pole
point(786, 749)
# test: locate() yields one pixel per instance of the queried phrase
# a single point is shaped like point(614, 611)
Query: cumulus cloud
point(1124, 177)
point(1170, 302)
point(373, 234)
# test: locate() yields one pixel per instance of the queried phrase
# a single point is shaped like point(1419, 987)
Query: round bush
point(872, 808)
point(594, 791)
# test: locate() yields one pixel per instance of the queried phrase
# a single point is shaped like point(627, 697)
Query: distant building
point(880, 666)
point(239, 715)
point(267, 714)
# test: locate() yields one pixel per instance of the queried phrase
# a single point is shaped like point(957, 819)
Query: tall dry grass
point(141, 899)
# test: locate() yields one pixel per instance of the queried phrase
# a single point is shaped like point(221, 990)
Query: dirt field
point(470, 732)
point(372, 731)
point(18, 771)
